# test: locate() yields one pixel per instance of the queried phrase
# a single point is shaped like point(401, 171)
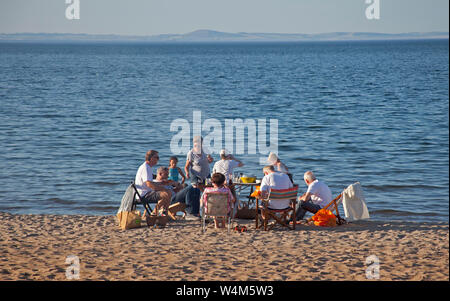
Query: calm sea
point(76, 119)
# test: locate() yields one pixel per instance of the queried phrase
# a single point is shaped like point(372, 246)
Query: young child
point(218, 181)
point(174, 170)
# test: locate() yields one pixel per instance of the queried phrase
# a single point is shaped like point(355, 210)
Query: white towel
point(353, 202)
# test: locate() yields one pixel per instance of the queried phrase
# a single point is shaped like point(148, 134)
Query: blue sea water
point(76, 119)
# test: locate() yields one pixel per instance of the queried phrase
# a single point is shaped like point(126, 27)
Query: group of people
point(168, 185)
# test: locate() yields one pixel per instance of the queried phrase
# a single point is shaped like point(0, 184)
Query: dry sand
point(35, 247)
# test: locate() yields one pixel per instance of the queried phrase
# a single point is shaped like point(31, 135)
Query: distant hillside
point(217, 36)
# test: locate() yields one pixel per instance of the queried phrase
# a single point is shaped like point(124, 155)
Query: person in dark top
point(190, 195)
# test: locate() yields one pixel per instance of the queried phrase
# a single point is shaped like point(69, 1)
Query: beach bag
point(160, 220)
point(129, 219)
point(245, 212)
point(324, 218)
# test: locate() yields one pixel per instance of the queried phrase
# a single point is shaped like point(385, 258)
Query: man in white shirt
point(316, 197)
point(226, 165)
point(276, 180)
point(150, 191)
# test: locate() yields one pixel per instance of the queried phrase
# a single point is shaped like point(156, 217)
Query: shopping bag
point(129, 219)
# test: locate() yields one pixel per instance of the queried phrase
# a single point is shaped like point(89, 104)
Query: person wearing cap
point(225, 166)
point(150, 191)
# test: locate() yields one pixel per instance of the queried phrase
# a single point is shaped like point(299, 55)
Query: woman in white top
point(278, 165)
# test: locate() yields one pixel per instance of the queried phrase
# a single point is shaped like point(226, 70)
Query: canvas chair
point(280, 216)
point(353, 202)
point(216, 205)
point(333, 207)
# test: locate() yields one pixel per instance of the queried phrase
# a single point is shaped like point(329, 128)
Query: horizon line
point(239, 32)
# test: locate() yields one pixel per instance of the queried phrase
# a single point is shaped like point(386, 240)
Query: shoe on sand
point(191, 217)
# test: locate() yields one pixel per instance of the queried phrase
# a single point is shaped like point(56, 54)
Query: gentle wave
point(60, 201)
point(106, 183)
point(390, 187)
point(403, 213)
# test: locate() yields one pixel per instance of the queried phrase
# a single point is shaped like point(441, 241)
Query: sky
point(153, 17)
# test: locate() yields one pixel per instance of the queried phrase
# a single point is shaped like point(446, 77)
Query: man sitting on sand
point(316, 197)
point(150, 191)
point(276, 180)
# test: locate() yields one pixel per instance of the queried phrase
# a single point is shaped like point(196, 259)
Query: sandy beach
point(36, 247)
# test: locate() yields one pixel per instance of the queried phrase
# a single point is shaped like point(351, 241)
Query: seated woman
point(218, 181)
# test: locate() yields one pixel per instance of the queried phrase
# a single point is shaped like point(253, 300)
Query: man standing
point(150, 191)
point(225, 166)
point(316, 197)
point(197, 161)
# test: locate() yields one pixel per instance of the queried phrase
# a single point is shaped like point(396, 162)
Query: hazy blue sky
point(150, 17)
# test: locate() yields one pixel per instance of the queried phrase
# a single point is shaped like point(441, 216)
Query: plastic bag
point(257, 192)
point(324, 218)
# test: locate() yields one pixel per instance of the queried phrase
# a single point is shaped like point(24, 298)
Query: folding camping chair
point(138, 200)
point(333, 205)
point(352, 199)
point(216, 204)
point(269, 213)
point(172, 211)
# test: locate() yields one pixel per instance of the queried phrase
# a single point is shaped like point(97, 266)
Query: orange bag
point(324, 218)
point(257, 192)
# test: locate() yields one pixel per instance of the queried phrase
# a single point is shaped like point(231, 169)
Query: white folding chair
point(216, 205)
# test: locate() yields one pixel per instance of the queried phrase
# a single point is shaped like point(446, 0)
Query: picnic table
point(242, 188)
